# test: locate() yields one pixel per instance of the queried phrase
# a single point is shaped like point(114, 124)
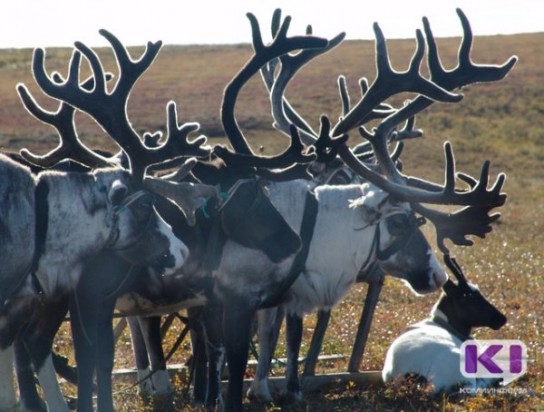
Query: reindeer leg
point(105, 351)
point(145, 387)
point(84, 337)
point(29, 398)
point(85, 360)
point(50, 386)
point(33, 347)
point(269, 324)
point(151, 331)
point(237, 318)
point(294, 339)
point(8, 400)
point(215, 351)
point(198, 359)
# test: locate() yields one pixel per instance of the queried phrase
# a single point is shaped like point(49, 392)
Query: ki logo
point(497, 358)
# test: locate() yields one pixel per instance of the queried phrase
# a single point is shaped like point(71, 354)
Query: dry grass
point(503, 122)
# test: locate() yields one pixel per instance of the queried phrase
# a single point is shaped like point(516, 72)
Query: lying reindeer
point(431, 348)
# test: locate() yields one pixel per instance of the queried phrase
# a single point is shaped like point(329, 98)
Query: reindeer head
point(136, 231)
point(464, 305)
point(398, 246)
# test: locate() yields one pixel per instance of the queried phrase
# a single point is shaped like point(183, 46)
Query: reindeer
point(54, 220)
point(431, 348)
point(284, 114)
point(370, 224)
point(382, 215)
point(205, 236)
point(247, 279)
point(81, 216)
point(95, 209)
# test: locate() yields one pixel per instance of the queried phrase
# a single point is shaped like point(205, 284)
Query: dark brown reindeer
point(400, 253)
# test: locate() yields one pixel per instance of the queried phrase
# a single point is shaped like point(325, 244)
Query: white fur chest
point(337, 251)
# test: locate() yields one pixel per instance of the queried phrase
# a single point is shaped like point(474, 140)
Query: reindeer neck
point(452, 324)
point(74, 208)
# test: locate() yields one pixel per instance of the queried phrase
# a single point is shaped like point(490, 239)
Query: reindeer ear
point(188, 197)
point(449, 287)
point(117, 192)
point(452, 265)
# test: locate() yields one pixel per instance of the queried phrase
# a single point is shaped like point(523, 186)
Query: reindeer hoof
point(259, 392)
point(291, 398)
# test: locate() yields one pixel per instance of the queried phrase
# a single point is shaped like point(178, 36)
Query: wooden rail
point(322, 382)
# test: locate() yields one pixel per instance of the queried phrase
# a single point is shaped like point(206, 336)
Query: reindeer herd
point(172, 223)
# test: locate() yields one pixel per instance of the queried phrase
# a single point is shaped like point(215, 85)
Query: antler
point(281, 45)
point(480, 199)
point(108, 108)
point(454, 267)
point(285, 115)
point(378, 138)
point(389, 82)
point(282, 112)
point(70, 147)
point(466, 73)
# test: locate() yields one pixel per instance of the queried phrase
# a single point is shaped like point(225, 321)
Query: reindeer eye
point(339, 178)
point(145, 205)
point(397, 224)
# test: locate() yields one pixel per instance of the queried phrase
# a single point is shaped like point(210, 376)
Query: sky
point(42, 23)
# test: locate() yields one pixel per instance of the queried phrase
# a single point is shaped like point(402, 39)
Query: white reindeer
point(432, 348)
point(339, 252)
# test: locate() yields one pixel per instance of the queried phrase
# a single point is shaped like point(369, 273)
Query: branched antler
point(281, 45)
point(475, 219)
point(282, 112)
point(389, 82)
point(70, 147)
point(457, 225)
point(108, 108)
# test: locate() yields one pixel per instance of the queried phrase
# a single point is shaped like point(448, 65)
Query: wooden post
point(168, 320)
point(323, 317)
point(374, 289)
point(119, 329)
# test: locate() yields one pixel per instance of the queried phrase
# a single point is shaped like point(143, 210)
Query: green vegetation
point(503, 122)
